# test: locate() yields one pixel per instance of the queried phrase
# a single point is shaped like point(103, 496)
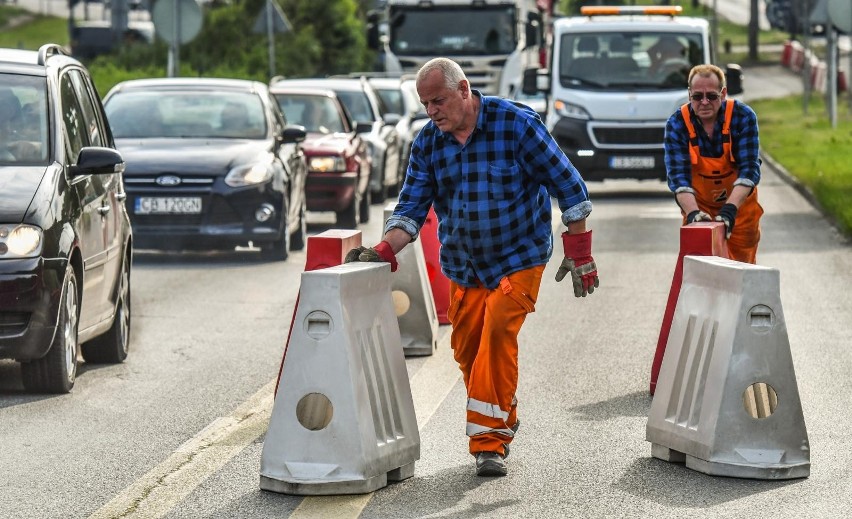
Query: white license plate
point(168, 205)
point(631, 162)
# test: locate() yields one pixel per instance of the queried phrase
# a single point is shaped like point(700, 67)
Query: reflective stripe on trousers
point(486, 324)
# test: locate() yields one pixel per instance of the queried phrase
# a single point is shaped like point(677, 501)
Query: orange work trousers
point(484, 338)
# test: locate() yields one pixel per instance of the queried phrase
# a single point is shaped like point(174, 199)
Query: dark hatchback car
point(65, 239)
point(338, 159)
point(211, 164)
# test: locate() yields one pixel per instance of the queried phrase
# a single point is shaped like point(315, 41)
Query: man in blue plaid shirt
point(489, 167)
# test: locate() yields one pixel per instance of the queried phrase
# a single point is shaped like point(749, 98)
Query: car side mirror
point(363, 127)
point(95, 160)
point(293, 133)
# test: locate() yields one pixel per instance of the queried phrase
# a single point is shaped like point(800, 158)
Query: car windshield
point(186, 114)
point(24, 119)
point(317, 114)
point(631, 60)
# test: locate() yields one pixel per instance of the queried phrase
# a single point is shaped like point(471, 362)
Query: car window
point(23, 119)
point(358, 105)
point(72, 118)
point(315, 113)
point(186, 114)
point(94, 133)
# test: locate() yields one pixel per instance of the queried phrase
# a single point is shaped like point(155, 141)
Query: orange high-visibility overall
point(713, 179)
point(485, 344)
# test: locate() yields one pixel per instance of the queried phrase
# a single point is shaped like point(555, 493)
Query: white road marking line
point(162, 488)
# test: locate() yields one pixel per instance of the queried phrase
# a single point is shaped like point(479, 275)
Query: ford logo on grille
point(168, 180)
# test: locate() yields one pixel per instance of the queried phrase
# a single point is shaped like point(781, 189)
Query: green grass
point(811, 150)
point(41, 30)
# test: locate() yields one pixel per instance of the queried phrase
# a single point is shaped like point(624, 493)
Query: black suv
point(65, 240)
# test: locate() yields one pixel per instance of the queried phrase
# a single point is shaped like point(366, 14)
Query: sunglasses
point(700, 96)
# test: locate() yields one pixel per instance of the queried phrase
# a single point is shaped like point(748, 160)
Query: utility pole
point(753, 28)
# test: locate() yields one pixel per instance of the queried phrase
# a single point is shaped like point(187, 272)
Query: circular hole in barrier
point(401, 302)
point(314, 411)
point(760, 400)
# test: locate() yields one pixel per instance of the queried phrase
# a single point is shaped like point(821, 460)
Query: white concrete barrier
point(727, 402)
point(343, 420)
point(413, 299)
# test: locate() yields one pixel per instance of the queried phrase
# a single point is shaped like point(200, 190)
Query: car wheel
point(297, 239)
point(57, 370)
point(349, 217)
point(380, 194)
point(113, 346)
point(278, 250)
point(365, 207)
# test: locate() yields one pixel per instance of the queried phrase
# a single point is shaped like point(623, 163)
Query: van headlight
point(249, 175)
point(20, 241)
point(571, 110)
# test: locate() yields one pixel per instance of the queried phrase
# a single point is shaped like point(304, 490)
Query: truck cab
point(616, 75)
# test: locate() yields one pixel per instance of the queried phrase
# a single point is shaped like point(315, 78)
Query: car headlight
point(249, 175)
point(20, 241)
point(570, 110)
point(326, 164)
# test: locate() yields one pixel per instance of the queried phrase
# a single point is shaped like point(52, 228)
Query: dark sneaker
point(490, 464)
point(506, 445)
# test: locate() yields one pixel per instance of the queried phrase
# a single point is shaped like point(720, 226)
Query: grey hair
point(452, 72)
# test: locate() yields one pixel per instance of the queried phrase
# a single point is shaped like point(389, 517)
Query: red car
point(338, 160)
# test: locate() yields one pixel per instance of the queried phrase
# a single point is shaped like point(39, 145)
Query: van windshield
point(631, 60)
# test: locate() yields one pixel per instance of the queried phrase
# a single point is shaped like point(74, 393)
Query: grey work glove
point(698, 216)
point(380, 253)
point(727, 214)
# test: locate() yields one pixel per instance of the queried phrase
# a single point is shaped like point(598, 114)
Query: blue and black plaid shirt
point(745, 146)
point(492, 194)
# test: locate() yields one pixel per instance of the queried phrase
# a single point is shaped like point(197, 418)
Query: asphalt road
point(177, 430)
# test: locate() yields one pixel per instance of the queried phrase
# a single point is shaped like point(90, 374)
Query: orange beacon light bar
point(598, 10)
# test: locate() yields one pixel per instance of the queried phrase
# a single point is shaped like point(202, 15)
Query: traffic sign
point(177, 21)
point(840, 14)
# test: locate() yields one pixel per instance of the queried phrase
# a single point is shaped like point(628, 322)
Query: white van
point(616, 75)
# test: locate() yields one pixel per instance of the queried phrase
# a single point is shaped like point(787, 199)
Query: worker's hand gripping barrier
point(343, 421)
point(412, 299)
point(727, 402)
point(696, 239)
point(326, 249)
point(432, 252)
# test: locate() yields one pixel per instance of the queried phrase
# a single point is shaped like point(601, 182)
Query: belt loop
point(505, 285)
